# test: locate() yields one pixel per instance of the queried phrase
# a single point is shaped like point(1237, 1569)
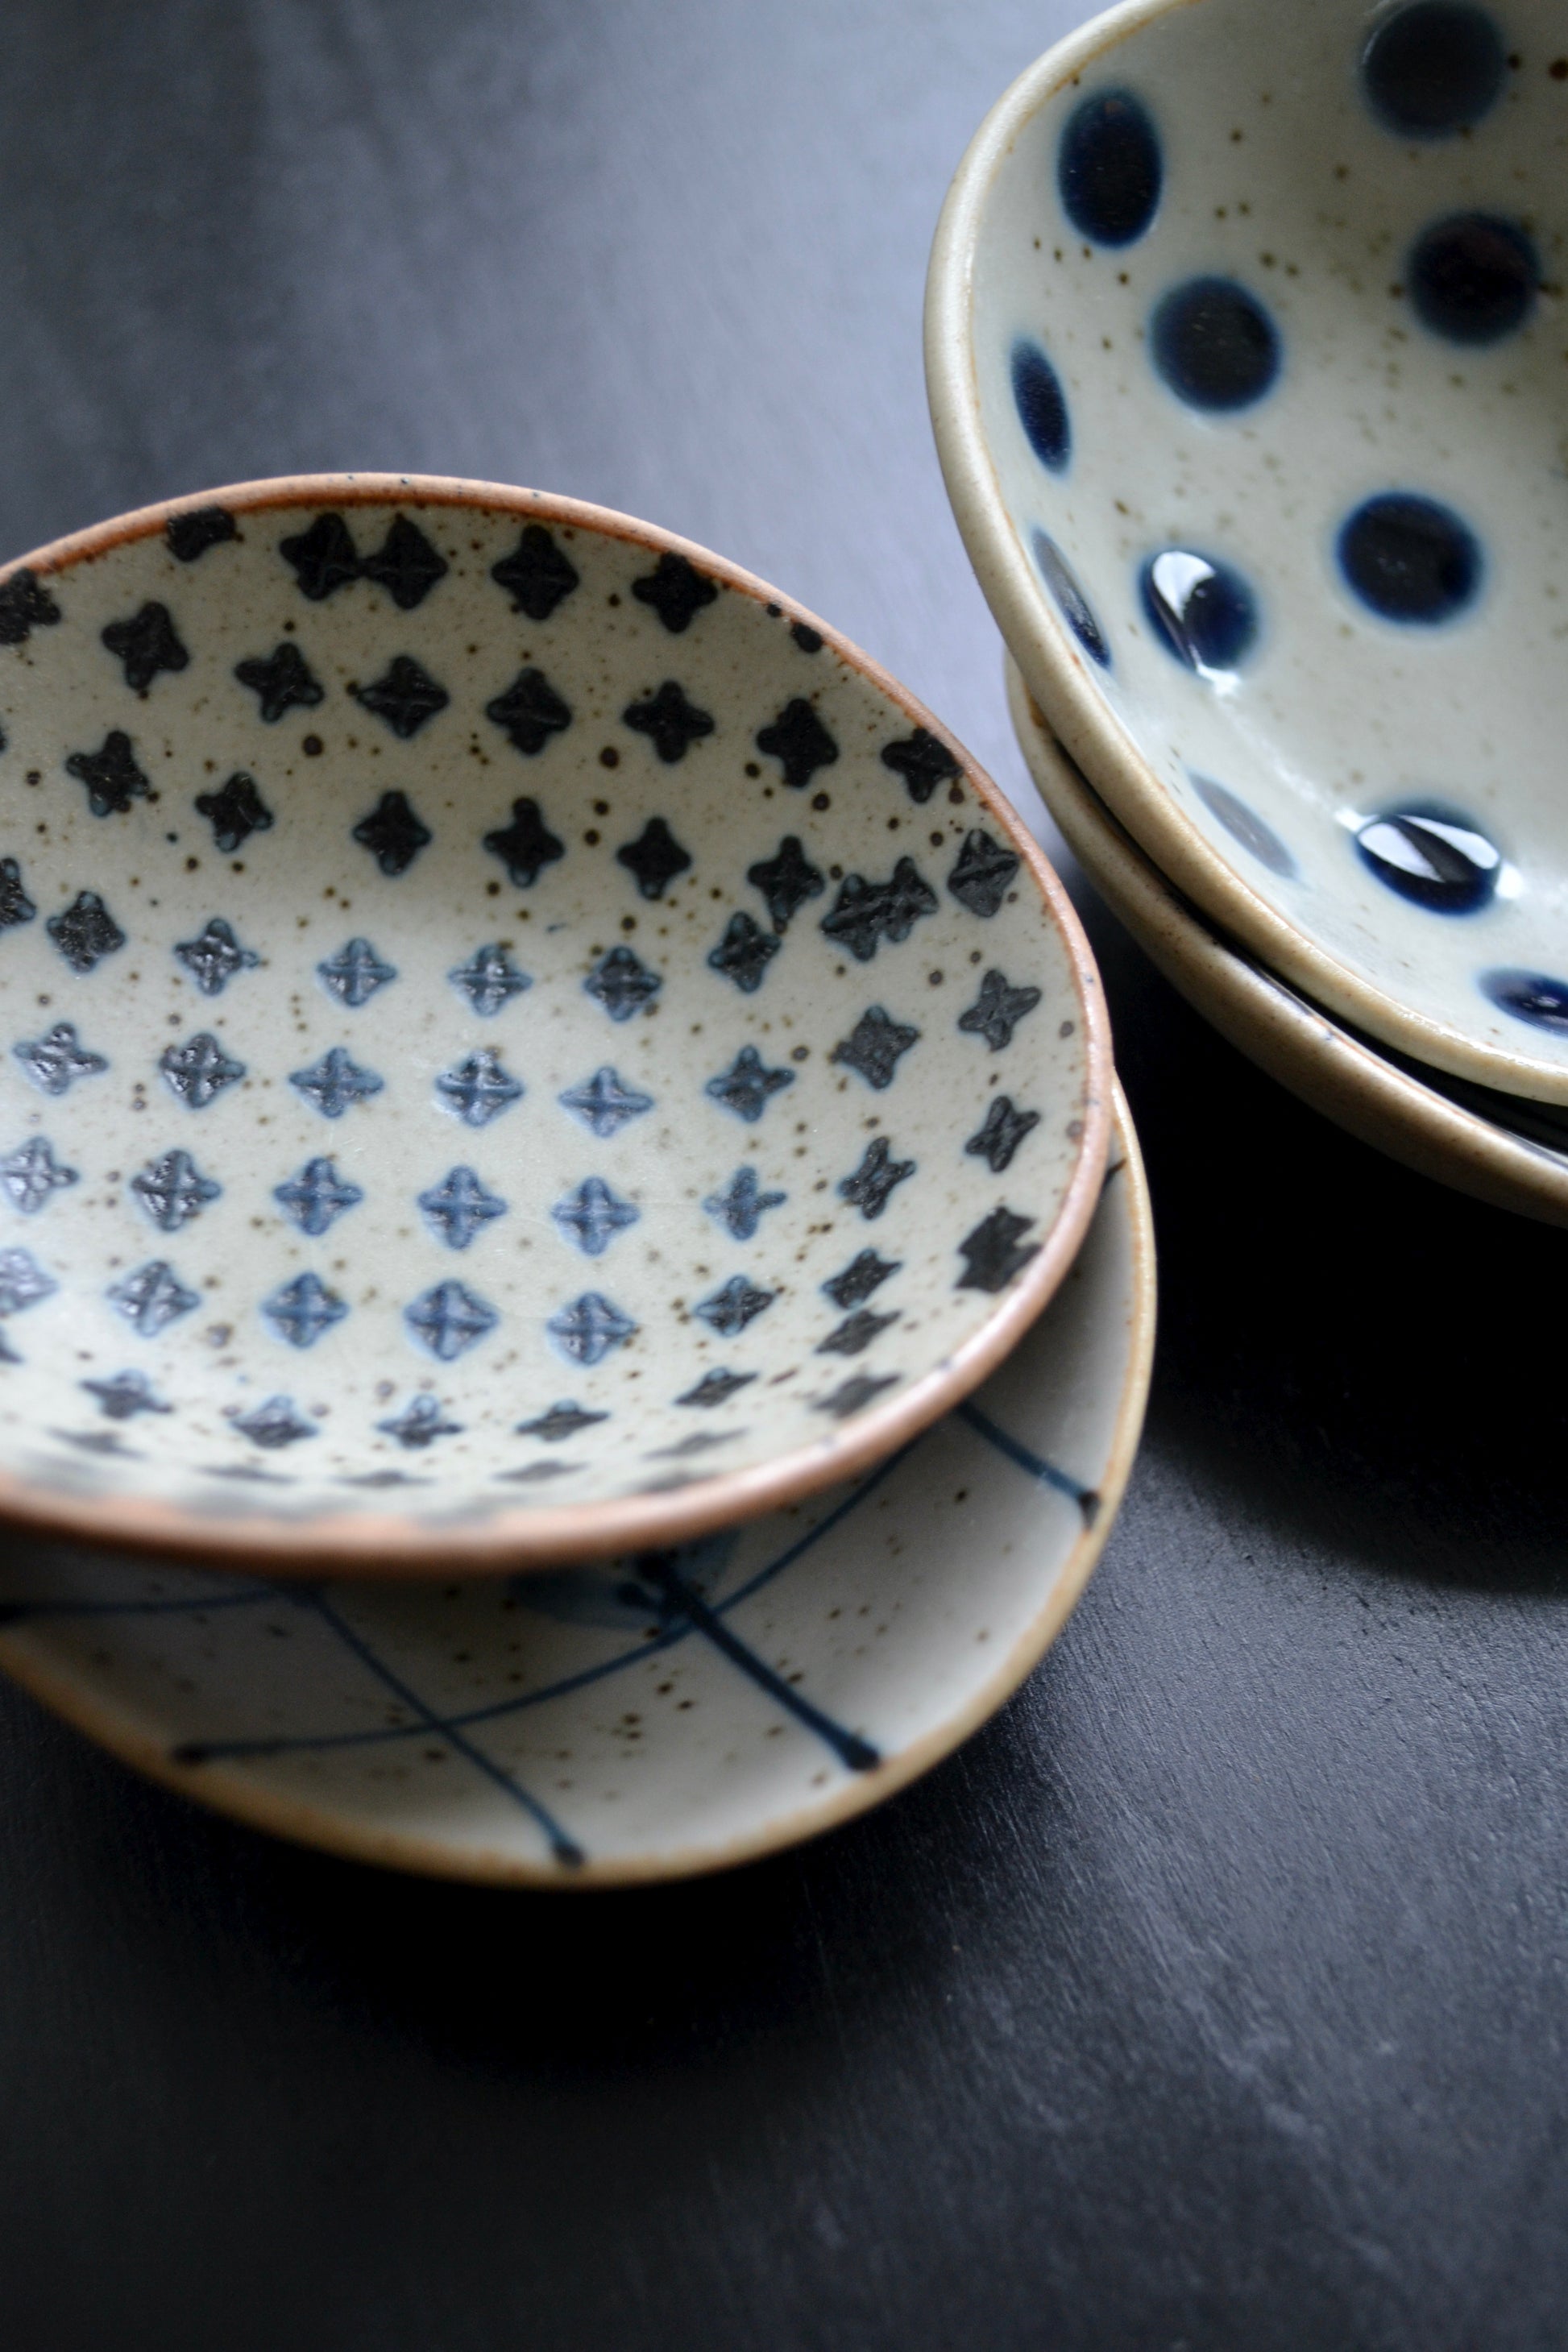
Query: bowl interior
point(502, 1018)
point(1268, 339)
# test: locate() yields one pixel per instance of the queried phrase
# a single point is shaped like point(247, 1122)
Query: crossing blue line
point(1036, 1464)
point(14, 1613)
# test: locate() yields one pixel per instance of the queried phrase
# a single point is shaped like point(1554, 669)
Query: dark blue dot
point(1473, 277)
point(1532, 997)
point(1042, 406)
point(1108, 168)
point(1434, 856)
point(1203, 612)
point(1410, 559)
point(1214, 344)
point(1077, 610)
point(1245, 825)
point(1433, 69)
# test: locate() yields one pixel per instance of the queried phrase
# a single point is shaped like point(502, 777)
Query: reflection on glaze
point(1531, 996)
point(1042, 406)
point(1075, 608)
point(1433, 69)
point(1245, 825)
point(1409, 558)
point(1433, 857)
point(1202, 610)
point(1108, 168)
point(1473, 277)
point(1214, 344)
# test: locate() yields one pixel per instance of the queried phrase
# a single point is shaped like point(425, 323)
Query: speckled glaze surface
point(1497, 1148)
point(657, 1715)
point(517, 1040)
point(1245, 341)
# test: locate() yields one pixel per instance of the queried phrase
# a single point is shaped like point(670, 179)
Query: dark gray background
point(1214, 1995)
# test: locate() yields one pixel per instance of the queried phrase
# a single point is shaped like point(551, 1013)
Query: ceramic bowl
point(518, 1040)
point(1497, 1148)
point(654, 1716)
point(1245, 348)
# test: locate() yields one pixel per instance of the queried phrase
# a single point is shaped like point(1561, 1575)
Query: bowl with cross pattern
point(518, 1040)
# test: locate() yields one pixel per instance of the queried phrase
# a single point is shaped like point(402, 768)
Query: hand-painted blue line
point(14, 1613)
point(1036, 1464)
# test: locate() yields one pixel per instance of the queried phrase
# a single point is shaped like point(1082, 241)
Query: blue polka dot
point(1042, 406)
point(1432, 855)
point(1108, 168)
point(1214, 344)
point(1202, 611)
point(1410, 559)
point(1077, 610)
point(1244, 825)
point(1532, 997)
point(1433, 69)
point(1473, 277)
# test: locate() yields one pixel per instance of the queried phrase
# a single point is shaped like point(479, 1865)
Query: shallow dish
point(655, 1716)
point(1497, 1148)
point(1243, 342)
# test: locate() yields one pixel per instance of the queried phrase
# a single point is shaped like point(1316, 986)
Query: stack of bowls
point(1245, 352)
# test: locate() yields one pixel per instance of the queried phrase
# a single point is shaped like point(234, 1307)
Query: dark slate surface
point(1214, 1995)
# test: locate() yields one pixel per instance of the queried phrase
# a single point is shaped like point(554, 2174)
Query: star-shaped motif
point(535, 575)
point(199, 1070)
point(316, 1196)
point(458, 1207)
point(1001, 1132)
point(854, 1395)
point(998, 1011)
point(22, 1281)
point(592, 1215)
point(404, 695)
point(392, 833)
point(655, 858)
point(56, 1060)
point(605, 1102)
point(740, 1207)
point(85, 931)
point(125, 1395)
point(24, 607)
point(862, 1276)
point(676, 590)
point(716, 1388)
point(874, 1045)
point(324, 558)
point(302, 1309)
point(730, 1308)
point(866, 913)
point(868, 1187)
point(354, 974)
point(111, 773)
point(334, 1083)
point(281, 683)
point(530, 712)
point(560, 1422)
point(786, 881)
point(701, 1441)
point(799, 741)
point(172, 1189)
point(419, 1425)
point(856, 1333)
point(480, 1089)
point(15, 906)
point(746, 1086)
point(991, 1254)
point(622, 983)
point(31, 1174)
point(489, 980)
point(275, 1425)
point(984, 874)
point(404, 564)
point(145, 644)
point(449, 1318)
point(744, 953)
point(214, 957)
point(922, 762)
point(525, 846)
point(236, 813)
point(188, 536)
point(152, 1297)
point(589, 1328)
point(671, 723)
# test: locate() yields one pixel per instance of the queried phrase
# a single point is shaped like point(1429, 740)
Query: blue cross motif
point(738, 1208)
point(152, 1297)
point(275, 1425)
point(315, 1196)
point(592, 1215)
point(449, 1318)
point(744, 1087)
point(489, 980)
point(605, 1102)
point(478, 1089)
point(335, 1082)
point(198, 1071)
point(56, 1060)
point(622, 983)
point(459, 1207)
point(589, 1328)
point(730, 1309)
point(172, 1189)
point(355, 972)
point(31, 1173)
point(303, 1310)
point(419, 1424)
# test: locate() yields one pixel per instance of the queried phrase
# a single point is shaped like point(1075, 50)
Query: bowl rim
point(386, 1543)
point(1053, 665)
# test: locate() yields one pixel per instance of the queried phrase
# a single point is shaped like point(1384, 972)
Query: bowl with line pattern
point(518, 1040)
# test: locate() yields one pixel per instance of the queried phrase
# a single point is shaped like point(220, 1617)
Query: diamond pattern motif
point(236, 813)
point(740, 1207)
point(302, 1309)
point(335, 1083)
point(589, 1328)
point(671, 723)
point(125, 1395)
point(31, 1175)
point(489, 980)
point(526, 846)
point(743, 953)
point(214, 957)
point(172, 1189)
point(153, 1297)
point(354, 974)
point(536, 574)
point(530, 712)
point(275, 1425)
point(730, 1310)
point(392, 833)
point(85, 933)
point(592, 1215)
point(480, 1089)
point(316, 1196)
point(22, 1281)
point(786, 881)
point(622, 983)
point(458, 1207)
point(746, 1087)
point(605, 1102)
point(281, 683)
point(111, 773)
point(450, 1319)
point(419, 1425)
point(998, 1011)
point(56, 1060)
point(199, 1070)
point(875, 1044)
point(868, 1187)
point(405, 696)
point(145, 644)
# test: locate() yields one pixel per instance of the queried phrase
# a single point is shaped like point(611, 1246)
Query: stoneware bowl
point(517, 1041)
point(1497, 1148)
point(1245, 344)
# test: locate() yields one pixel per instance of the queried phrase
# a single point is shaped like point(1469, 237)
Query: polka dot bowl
point(519, 1041)
point(1246, 343)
